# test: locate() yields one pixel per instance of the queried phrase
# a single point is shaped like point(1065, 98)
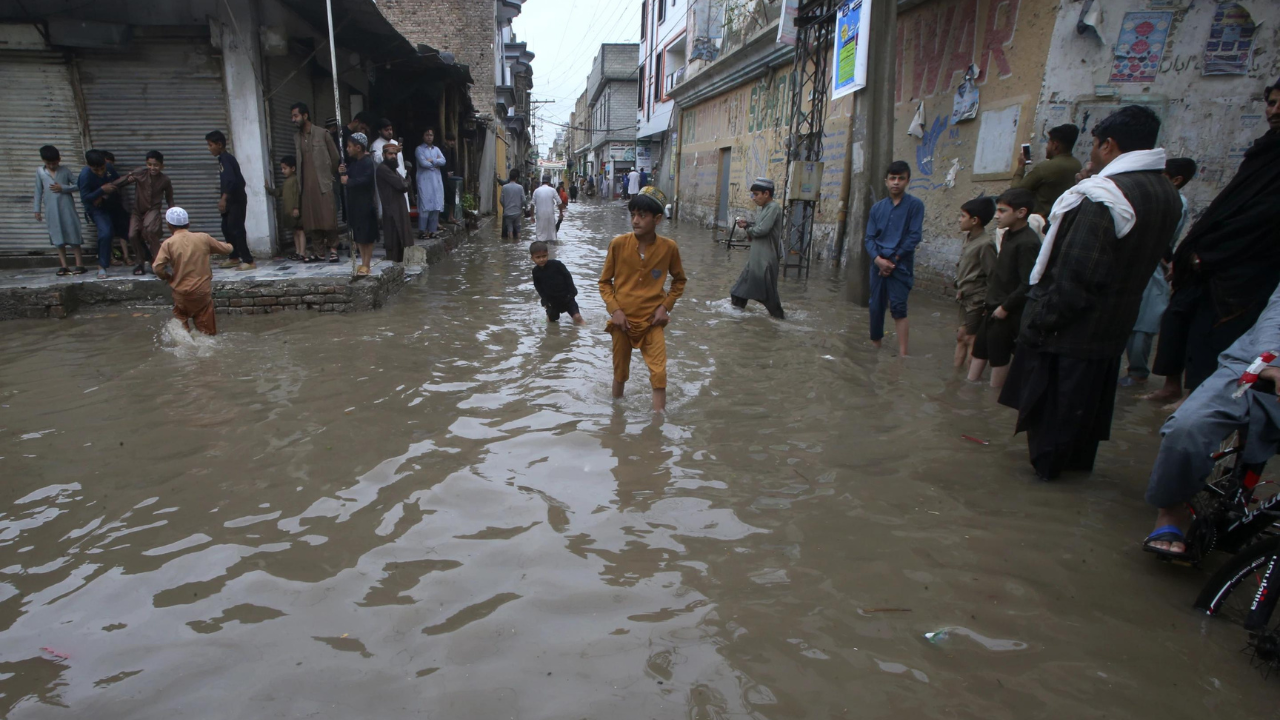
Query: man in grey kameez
point(759, 279)
point(1198, 427)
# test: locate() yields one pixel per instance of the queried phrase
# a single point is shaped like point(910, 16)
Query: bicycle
point(1245, 591)
point(1227, 513)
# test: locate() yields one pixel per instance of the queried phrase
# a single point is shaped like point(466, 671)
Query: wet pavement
point(435, 511)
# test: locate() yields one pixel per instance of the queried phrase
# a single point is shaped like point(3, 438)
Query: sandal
point(362, 271)
point(64, 271)
point(333, 257)
point(295, 257)
point(1170, 534)
point(140, 270)
point(79, 270)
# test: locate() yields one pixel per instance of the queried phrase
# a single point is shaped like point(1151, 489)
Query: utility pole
point(872, 139)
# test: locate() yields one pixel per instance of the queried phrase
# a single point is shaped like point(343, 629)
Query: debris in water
point(885, 610)
point(971, 438)
point(55, 653)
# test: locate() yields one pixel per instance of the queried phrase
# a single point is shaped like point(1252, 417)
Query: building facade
point(1040, 63)
point(477, 34)
point(663, 56)
point(612, 91)
point(80, 76)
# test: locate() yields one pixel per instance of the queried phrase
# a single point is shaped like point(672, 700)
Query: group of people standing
point(137, 230)
point(375, 176)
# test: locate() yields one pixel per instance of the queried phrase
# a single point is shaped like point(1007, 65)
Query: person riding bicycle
point(1196, 430)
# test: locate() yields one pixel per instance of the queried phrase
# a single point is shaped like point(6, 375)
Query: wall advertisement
point(849, 67)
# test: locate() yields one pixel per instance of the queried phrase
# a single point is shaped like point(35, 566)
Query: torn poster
point(1229, 49)
point(1140, 47)
point(916, 127)
point(965, 105)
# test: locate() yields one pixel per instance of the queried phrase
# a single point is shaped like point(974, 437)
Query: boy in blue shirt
point(103, 205)
point(893, 232)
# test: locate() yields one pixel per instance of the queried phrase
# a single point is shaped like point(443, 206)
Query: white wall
point(657, 36)
point(1209, 118)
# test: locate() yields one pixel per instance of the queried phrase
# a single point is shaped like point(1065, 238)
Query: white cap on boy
point(177, 217)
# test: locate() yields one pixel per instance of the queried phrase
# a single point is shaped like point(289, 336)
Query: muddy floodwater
point(435, 511)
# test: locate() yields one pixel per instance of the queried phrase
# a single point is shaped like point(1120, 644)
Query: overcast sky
point(565, 36)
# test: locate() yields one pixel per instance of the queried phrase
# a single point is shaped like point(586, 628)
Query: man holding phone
point(1051, 178)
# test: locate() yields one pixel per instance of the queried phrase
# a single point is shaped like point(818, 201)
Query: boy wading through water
point(183, 262)
point(759, 279)
point(893, 232)
point(54, 182)
point(631, 285)
point(554, 284)
point(973, 272)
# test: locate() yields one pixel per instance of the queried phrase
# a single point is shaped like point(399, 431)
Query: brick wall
point(465, 28)
point(622, 110)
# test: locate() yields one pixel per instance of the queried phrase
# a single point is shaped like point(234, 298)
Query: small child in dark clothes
point(555, 285)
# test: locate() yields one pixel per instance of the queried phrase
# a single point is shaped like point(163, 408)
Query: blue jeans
point(1138, 350)
point(428, 221)
point(106, 222)
point(891, 293)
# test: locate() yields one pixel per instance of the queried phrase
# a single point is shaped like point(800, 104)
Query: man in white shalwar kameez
point(546, 204)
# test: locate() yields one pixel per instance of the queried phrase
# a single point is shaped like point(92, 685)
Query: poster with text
point(849, 67)
point(1229, 48)
point(1140, 47)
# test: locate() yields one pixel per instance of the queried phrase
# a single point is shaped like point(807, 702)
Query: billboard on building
point(849, 67)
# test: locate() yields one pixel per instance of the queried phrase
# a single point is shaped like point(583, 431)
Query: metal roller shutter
point(289, 82)
point(161, 96)
point(39, 108)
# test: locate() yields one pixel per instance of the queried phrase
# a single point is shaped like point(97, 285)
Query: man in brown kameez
point(154, 188)
point(317, 165)
point(396, 233)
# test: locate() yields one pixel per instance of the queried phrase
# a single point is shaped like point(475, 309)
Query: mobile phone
point(1026, 152)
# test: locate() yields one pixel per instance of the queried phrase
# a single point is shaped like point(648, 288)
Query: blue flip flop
point(1167, 533)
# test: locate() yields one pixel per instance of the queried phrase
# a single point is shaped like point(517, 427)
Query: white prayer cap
point(177, 217)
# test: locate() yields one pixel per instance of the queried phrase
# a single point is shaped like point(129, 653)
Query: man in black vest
point(1105, 238)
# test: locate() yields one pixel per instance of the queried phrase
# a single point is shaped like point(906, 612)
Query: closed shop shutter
point(289, 81)
point(162, 96)
point(39, 108)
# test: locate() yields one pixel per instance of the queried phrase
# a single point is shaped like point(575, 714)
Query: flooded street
point(435, 510)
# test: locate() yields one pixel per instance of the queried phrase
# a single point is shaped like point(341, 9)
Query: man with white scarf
point(1105, 237)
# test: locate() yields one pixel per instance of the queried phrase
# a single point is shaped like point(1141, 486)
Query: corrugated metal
point(39, 108)
point(161, 96)
point(289, 81)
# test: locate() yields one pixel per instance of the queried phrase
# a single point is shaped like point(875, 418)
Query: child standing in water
point(631, 285)
point(554, 284)
point(183, 262)
point(977, 263)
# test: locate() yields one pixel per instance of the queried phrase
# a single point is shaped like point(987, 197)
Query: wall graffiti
point(941, 40)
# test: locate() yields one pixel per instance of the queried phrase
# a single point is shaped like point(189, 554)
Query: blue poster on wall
point(849, 67)
point(1140, 46)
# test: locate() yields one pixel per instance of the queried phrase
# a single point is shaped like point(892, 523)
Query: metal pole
point(337, 114)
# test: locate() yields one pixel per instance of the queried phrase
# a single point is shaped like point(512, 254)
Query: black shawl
point(1238, 237)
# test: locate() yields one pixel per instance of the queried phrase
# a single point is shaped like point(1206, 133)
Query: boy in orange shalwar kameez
point(631, 285)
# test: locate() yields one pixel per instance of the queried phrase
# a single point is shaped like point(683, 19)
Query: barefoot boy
point(183, 262)
point(154, 188)
point(631, 285)
point(1007, 287)
point(56, 206)
point(290, 195)
point(554, 284)
point(977, 264)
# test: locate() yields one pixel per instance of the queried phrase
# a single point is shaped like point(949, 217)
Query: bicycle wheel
point(1230, 592)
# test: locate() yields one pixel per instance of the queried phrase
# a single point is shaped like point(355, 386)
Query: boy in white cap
point(183, 262)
